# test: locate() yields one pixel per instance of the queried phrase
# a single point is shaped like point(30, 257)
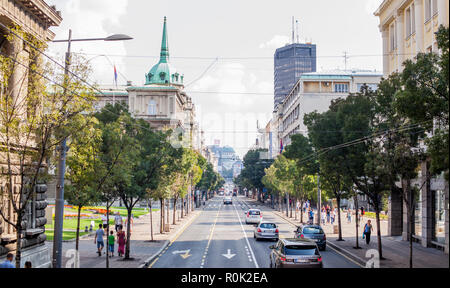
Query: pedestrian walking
point(8, 263)
point(367, 231)
point(333, 216)
point(349, 215)
point(105, 222)
point(111, 241)
point(99, 239)
point(121, 241)
point(311, 216)
point(323, 214)
point(117, 221)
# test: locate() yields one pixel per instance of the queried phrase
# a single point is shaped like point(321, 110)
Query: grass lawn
point(67, 235)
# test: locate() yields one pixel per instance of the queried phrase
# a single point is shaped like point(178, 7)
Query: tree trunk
point(77, 239)
point(19, 242)
point(301, 211)
point(127, 245)
point(182, 208)
point(107, 234)
point(338, 200)
point(161, 220)
point(290, 207)
point(168, 212)
point(411, 219)
point(287, 204)
point(377, 213)
point(174, 211)
point(296, 209)
point(151, 219)
point(279, 202)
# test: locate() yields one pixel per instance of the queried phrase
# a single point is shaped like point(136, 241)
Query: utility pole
point(59, 201)
point(345, 60)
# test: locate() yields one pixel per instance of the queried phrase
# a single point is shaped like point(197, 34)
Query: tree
point(299, 149)
point(84, 168)
point(324, 131)
point(33, 121)
point(253, 171)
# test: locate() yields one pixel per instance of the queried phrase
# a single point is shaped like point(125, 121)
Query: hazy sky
point(243, 35)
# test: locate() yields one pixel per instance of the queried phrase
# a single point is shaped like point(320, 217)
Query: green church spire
point(165, 44)
point(163, 72)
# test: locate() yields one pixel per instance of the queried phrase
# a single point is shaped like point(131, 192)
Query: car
point(220, 193)
point(227, 200)
point(295, 253)
point(253, 216)
point(266, 230)
point(313, 232)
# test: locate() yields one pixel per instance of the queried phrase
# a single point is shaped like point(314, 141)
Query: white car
point(227, 200)
point(253, 216)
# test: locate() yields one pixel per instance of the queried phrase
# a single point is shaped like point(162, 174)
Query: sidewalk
point(142, 250)
point(395, 251)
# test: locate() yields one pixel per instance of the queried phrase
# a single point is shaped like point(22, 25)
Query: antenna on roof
point(293, 39)
point(298, 40)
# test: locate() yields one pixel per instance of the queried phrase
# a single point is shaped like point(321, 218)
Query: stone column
point(427, 206)
point(419, 20)
point(400, 39)
point(385, 37)
point(395, 214)
point(443, 12)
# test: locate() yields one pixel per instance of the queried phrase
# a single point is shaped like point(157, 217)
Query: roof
point(340, 74)
point(295, 241)
point(163, 72)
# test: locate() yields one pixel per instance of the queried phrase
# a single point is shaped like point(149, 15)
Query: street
point(219, 238)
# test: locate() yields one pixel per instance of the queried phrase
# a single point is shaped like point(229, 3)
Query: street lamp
point(59, 201)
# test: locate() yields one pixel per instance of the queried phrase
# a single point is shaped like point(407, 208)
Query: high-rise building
point(291, 61)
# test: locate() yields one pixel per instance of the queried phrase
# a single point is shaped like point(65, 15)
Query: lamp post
point(59, 201)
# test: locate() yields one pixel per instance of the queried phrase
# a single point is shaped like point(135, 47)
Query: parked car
point(220, 193)
point(227, 200)
point(295, 253)
point(253, 216)
point(266, 230)
point(314, 233)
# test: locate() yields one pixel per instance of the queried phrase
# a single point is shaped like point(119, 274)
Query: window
point(341, 88)
point(408, 22)
point(392, 37)
point(162, 75)
point(435, 9)
point(152, 107)
point(427, 10)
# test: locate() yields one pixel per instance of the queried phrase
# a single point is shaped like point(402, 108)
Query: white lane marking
point(246, 239)
point(229, 255)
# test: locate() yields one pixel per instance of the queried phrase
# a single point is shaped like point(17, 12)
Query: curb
point(347, 254)
point(168, 241)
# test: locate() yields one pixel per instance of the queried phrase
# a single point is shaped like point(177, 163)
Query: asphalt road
point(219, 238)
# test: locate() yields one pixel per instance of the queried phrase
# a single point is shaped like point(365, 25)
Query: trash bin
point(335, 229)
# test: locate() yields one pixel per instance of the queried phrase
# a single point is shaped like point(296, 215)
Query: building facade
point(315, 92)
point(408, 27)
point(291, 61)
point(34, 17)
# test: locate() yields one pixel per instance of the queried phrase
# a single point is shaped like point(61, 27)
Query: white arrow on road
point(229, 255)
point(184, 254)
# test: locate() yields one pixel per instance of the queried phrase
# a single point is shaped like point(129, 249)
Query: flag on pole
point(281, 146)
point(115, 75)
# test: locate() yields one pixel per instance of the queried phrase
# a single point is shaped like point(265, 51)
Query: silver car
point(266, 230)
point(253, 216)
